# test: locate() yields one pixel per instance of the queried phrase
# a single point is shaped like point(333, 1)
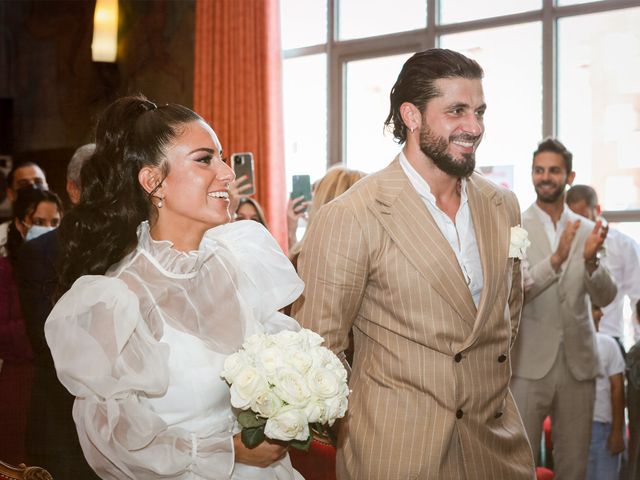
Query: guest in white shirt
point(607, 432)
point(621, 257)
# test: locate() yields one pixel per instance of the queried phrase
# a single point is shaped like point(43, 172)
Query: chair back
point(22, 472)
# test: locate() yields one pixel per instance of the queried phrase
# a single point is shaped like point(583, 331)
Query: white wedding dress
point(142, 348)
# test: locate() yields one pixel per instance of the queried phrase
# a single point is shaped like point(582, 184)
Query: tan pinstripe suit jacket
point(375, 260)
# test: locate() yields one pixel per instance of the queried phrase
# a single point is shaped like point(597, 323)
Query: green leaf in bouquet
point(301, 445)
point(252, 437)
point(249, 419)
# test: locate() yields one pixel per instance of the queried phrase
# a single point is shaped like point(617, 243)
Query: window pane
point(512, 61)
point(369, 146)
point(303, 23)
point(598, 99)
point(305, 116)
point(452, 11)
point(572, 2)
point(366, 18)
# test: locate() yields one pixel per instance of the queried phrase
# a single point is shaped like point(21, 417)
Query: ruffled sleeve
point(106, 356)
point(268, 281)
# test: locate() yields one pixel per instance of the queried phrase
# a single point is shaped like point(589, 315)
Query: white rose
point(288, 425)
point(287, 339)
point(266, 403)
point(324, 358)
point(323, 383)
point(291, 387)
point(301, 361)
point(336, 407)
point(519, 242)
point(269, 360)
point(233, 364)
point(247, 385)
point(315, 411)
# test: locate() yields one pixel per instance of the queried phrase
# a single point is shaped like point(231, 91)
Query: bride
point(157, 298)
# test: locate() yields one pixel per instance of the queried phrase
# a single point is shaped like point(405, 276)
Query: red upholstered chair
point(319, 463)
point(548, 446)
point(544, 474)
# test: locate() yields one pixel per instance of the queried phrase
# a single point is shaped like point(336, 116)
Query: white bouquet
point(286, 386)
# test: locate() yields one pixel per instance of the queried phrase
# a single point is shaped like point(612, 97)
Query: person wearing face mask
point(24, 175)
point(51, 434)
point(34, 211)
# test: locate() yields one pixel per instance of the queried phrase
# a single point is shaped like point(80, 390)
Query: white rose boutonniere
point(519, 242)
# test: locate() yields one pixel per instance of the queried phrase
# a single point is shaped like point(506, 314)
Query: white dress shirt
point(622, 259)
point(460, 234)
point(554, 231)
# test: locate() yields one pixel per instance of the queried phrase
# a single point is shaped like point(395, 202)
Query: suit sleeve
point(542, 277)
point(334, 266)
point(600, 286)
point(516, 294)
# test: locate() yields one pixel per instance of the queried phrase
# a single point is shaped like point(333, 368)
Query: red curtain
point(237, 90)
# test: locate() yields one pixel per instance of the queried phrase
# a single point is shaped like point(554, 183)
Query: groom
point(415, 259)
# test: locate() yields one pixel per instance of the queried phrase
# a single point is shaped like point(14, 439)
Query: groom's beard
point(436, 148)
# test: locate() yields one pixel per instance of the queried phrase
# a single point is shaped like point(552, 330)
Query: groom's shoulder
point(367, 188)
point(492, 189)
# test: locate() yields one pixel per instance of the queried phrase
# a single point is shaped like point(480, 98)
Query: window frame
point(340, 52)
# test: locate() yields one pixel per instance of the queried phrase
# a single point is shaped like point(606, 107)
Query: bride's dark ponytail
point(132, 133)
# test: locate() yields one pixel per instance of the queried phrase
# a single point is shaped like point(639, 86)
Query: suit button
point(502, 358)
point(459, 414)
point(458, 357)
point(498, 415)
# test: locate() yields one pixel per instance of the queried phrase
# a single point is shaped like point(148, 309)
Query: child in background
point(607, 432)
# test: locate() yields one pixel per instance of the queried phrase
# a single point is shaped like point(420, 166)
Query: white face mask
point(36, 230)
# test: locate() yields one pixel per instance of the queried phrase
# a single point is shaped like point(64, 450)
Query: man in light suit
point(555, 358)
point(415, 259)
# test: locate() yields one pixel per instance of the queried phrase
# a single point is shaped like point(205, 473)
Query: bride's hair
point(101, 229)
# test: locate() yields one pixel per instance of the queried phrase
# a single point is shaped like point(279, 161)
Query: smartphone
point(242, 164)
point(301, 187)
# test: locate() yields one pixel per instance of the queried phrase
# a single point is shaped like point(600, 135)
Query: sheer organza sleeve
point(106, 356)
point(268, 280)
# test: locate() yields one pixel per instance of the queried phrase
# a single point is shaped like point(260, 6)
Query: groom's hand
point(262, 455)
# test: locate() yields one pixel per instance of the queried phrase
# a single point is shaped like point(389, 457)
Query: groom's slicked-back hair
point(415, 84)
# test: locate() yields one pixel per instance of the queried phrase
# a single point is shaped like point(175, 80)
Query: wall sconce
point(104, 46)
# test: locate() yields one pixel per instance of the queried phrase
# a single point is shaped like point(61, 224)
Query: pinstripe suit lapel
point(405, 218)
point(492, 229)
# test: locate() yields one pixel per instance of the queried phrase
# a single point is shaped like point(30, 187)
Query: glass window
point(562, 3)
point(370, 146)
point(366, 18)
point(305, 115)
point(512, 61)
point(453, 11)
point(303, 23)
point(598, 102)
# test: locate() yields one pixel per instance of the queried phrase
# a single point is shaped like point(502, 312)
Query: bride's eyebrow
point(203, 149)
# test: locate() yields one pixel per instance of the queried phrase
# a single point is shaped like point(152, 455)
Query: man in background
point(555, 357)
point(52, 440)
point(621, 257)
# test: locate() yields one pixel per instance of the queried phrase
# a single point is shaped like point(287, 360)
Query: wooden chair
point(22, 472)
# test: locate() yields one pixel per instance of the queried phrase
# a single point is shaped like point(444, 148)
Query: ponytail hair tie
point(148, 105)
